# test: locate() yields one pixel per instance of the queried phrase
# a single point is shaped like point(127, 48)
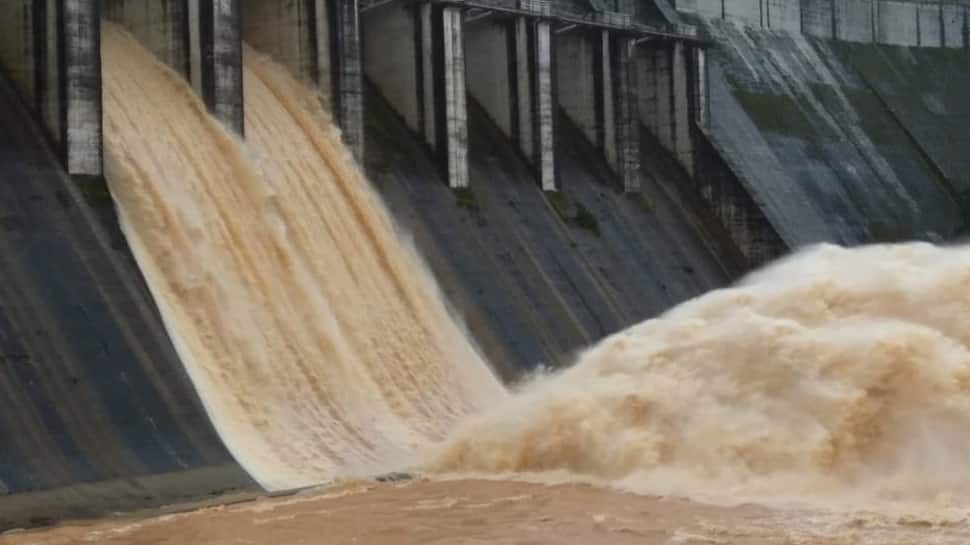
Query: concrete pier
point(219, 58)
point(319, 41)
point(448, 59)
point(683, 146)
point(544, 104)
point(627, 90)
point(672, 95)
point(523, 64)
point(702, 112)
point(199, 39)
point(534, 93)
point(598, 90)
point(509, 72)
point(51, 51)
point(423, 77)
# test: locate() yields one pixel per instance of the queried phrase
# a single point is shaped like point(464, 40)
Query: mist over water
point(315, 338)
point(836, 375)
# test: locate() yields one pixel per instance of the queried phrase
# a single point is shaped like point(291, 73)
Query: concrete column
point(346, 72)
point(81, 87)
point(544, 106)
point(524, 54)
point(627, 118)
point(195, 46)
point(607, 113)
point(46, 28)
point(427, 87)
point(51, 49)
point(600, 94)
point(444, 115)
point(456, 114)
point(683, 146)
point(702, 93)
point(219, 60)
point(663, 82)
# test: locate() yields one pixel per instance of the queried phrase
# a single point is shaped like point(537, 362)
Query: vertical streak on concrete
point(544, 105)
point(45, 50)
point(455, 112)
point(942, 27)
point(39, 55)
point(919, 29)
point(17, 45)
point(346, 73)
point(427, 79)
point(702, 96)
point(81, 87)
point(195, 48)
point(835, 20)
point(647, 71)
point(321, 63)
point(220, 61)
point(607, 126)
point(874, 21)
point(664, 96)
point(681, 123)
point(52, 89)
point(627, 117)
point(523, 88)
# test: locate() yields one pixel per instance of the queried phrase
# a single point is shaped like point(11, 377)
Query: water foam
point(316, 339)
point(836, 373)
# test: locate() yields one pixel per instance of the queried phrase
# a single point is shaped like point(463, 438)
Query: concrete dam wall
point(97, 413)
point(837, 133)
point(926, 23)
point(565, 171)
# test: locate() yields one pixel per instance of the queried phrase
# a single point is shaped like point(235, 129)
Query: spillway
point(318, 343)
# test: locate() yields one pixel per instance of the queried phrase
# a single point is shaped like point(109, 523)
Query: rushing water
point(315, 337)
point(838, 375)
point(321, 347)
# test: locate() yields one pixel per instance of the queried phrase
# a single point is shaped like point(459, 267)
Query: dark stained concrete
point(533, 283)
point(91, 391)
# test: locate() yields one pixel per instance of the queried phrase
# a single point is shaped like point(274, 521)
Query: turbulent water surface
point(836, 375)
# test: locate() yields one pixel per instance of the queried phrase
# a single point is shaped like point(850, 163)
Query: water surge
point(316, 339)
point(840, 375)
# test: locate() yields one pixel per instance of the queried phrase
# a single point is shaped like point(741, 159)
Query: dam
point(564, 169)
